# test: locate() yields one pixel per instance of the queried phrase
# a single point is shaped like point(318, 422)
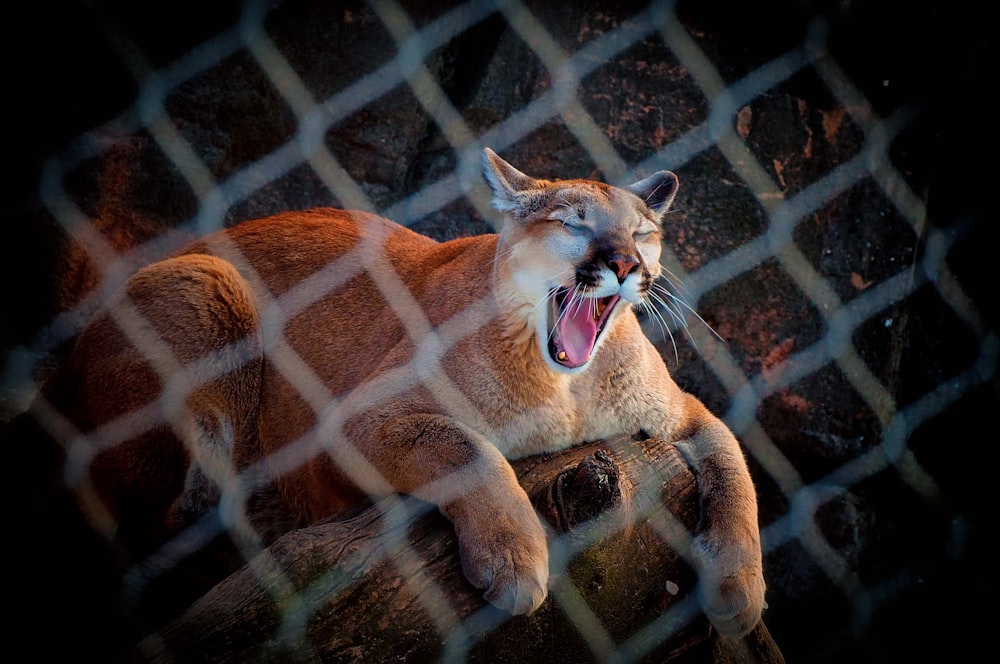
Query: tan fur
point(340, 354)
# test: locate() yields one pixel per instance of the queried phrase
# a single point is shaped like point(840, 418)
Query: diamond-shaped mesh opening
point(694, 228)
point(774, 318)
point(819, 423)
point(636, 96)
point(916, 363)
point(799, 131)
point(210, 113)
point(858, 239)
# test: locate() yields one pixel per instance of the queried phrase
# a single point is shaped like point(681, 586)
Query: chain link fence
point(828, 320)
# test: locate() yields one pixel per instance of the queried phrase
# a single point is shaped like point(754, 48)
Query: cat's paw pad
point(512, 568)
point(731, 585)
point(518, 591)
point(733, 605)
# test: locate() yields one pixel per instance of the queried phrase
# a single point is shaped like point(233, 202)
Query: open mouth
point(575, 325)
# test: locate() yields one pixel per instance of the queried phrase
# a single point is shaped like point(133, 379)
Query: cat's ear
point(657, 191)
point(511, 188)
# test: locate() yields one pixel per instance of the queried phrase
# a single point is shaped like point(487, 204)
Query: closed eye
point(643, 235)
point(573, 229)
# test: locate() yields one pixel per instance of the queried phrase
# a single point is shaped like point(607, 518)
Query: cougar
point(346, 356)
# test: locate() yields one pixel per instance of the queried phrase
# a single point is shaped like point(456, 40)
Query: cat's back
point(329, 244)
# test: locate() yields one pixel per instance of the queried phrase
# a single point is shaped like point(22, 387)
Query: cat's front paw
point(506, 556)
point(730, 582)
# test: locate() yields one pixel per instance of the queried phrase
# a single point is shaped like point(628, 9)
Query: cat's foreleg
point(726, 550)
point(501, 540)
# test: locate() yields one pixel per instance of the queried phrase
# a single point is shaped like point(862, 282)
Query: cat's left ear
point(512, 189)
point(657, 191)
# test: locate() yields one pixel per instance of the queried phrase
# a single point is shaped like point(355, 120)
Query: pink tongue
point(578, 332)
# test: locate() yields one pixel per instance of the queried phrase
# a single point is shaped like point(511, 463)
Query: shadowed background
point(829, 225)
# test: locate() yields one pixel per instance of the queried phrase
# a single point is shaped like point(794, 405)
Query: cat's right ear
point(511, 188)
point(657, 191)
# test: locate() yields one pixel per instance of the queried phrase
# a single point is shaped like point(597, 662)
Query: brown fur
point(344, 355)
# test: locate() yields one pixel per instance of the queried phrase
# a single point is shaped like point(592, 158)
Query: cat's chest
point(559, 421)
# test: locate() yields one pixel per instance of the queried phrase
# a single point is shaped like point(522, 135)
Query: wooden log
point(386, 584)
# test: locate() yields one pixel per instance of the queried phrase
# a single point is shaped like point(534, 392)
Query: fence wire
point(560, 102)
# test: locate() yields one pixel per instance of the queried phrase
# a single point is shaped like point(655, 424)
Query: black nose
point(623, 265)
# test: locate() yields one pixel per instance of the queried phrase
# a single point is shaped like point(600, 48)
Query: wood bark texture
point(386, 583)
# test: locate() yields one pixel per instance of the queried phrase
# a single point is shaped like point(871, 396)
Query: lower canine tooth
point(561, 355)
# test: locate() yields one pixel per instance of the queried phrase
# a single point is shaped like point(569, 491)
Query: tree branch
point(386, 584)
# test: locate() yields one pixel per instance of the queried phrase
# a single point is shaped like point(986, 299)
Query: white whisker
point(679, 321)
point(657, 317)
point(552, 291)
point(568, 302)
point(661, 292)
point(576, 298)
point(555, 323)
point(680, 301)
point(673, 279)
point(674, 314)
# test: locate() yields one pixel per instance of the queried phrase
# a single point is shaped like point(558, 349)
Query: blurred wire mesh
point(723, 129)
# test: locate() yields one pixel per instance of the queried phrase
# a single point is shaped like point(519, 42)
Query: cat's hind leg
point(166, 385)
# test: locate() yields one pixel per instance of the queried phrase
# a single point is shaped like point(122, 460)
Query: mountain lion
point(334, 355)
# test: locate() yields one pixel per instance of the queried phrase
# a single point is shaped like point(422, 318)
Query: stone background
point(849, 282)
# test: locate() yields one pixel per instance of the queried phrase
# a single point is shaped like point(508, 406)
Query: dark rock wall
point(870, 461)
